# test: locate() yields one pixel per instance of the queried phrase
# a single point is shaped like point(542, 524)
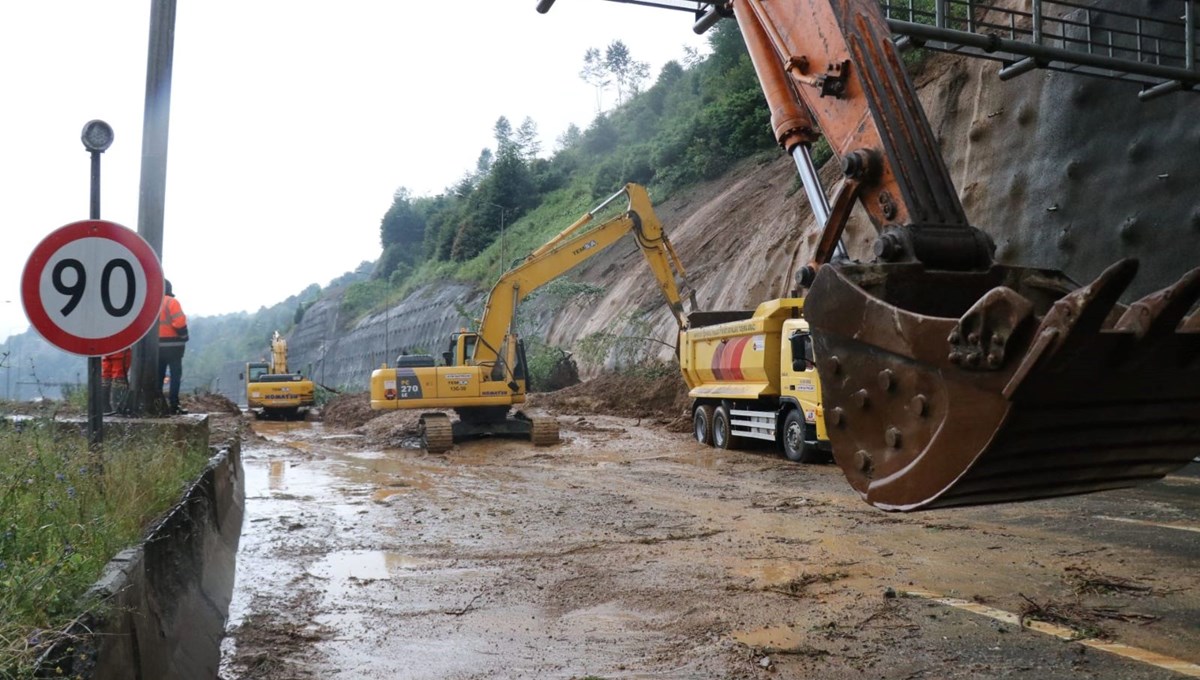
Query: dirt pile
point(632, 395)
point(391, 429)
point(348, 411)
point(208, 403)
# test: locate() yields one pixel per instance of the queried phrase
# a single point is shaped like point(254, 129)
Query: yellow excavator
point(273, 392)
point(949, 378)
point(485, 372)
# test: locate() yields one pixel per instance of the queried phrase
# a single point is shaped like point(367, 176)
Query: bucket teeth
point(982, 337)
point(1160, 313)
point(1191, 324)
point(1082, 313)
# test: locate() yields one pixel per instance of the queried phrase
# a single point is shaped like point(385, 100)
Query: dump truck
point(950, 378)
point(274, 392)
point(752, 375)
point(485, 372)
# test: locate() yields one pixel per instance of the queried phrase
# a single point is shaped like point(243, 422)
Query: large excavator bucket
point(959, 388)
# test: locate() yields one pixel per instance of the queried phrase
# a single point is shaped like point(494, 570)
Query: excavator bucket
point(960, 388)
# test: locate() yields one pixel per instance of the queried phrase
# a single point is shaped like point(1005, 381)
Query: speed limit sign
point(92, 288)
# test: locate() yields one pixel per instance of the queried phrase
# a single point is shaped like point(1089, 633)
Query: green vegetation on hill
point(692, 124)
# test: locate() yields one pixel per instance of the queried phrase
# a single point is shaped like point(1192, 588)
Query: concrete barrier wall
point(165, 602)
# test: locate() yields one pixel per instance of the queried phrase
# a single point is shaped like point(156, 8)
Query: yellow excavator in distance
point(273, 392)
point(485, 372)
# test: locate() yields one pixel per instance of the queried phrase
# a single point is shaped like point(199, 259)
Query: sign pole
point(97, 136)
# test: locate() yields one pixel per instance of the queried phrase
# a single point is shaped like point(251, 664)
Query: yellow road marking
point(1187, 668)
point(1143, 522)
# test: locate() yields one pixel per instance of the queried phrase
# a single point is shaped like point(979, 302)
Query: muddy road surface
point(629, 551)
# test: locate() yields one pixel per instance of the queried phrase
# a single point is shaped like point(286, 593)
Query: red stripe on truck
point(733, 359)
point(717, 367)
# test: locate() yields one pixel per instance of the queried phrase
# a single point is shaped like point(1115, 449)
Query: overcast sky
point(292, 122)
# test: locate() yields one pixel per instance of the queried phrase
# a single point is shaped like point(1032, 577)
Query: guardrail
point(1157, 51)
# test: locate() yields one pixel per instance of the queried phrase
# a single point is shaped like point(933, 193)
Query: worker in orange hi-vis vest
point(114, 381)
point(172, 338)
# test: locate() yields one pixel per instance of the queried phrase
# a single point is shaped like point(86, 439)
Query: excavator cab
point(948, 378)
point(462, 348)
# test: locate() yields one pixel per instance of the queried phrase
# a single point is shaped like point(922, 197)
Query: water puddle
point(771, 638)
point(366, 565)
point(706, 458)
point(277, 477)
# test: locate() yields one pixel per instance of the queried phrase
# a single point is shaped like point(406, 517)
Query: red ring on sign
point(92, 347)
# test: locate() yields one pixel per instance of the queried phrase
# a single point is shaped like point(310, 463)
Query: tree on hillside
point(483, 164)
point(402, 224)
point(595, 73)
point(504, 194)
point(503, 132)
point(628, 72)
point(615, 65)
point(527, 140)
point(569, 138)
point(401, 233)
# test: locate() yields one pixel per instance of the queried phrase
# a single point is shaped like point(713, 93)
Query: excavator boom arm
point(279, 363)
point(832, 63)
point(573, 246)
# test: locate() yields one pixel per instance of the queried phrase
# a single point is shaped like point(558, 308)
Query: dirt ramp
point(348, 410)
point(632, 395)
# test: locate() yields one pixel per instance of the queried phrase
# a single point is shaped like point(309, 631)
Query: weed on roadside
point(65, 511)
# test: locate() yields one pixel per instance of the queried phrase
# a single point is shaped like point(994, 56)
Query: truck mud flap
point(960, 388)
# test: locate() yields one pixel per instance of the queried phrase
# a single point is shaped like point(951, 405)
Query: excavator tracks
point(436, 432)
point(543, 430)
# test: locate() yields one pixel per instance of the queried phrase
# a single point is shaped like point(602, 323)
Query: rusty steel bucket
point(960, 388)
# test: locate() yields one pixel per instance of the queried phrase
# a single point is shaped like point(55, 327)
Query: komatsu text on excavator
point(948, 378)
point(485, 372)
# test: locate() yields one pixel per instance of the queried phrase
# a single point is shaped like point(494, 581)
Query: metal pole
point(145, 389)
point(95, 420)
point(1037, 22)
point(1189, 27)
point(812, 188)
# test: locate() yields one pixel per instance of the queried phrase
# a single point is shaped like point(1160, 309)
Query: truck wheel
point(720, 427)
point(702, 424)
point(795, 448)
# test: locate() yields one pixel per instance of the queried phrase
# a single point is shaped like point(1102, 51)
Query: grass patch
point(64, 513)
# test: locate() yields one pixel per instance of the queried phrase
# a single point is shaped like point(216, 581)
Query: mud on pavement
point(630, 551)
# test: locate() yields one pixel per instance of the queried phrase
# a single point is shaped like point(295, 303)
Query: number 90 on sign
point(89, 287)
